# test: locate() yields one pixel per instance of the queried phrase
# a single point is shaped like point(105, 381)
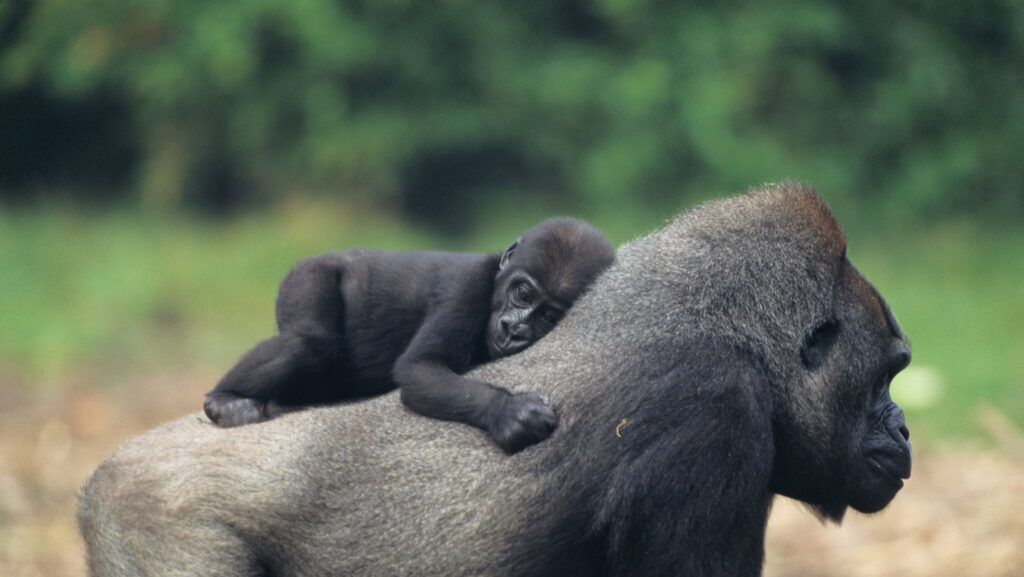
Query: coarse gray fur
point(371, 489)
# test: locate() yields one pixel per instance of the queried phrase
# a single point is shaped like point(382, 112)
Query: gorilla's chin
point(870, 489)
point(874, 489)
point(501, 348)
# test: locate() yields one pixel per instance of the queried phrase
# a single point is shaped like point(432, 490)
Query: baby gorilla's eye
point(549, 316)
point(523, 293)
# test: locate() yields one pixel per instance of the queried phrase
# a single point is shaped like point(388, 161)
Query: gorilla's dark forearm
point(513, 421)
point(434, 390)
point(733, 354)
point(427, 375)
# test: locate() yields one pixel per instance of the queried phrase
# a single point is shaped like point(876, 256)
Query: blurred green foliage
point(480, 118)
point(912, 107)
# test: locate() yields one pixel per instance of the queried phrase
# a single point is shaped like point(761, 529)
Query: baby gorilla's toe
point(232, 411)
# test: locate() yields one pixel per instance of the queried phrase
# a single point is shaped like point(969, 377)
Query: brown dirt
point(961, 515)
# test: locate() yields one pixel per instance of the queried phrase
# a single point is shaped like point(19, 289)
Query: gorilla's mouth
point(889, 473)
point(508, 346)
point(494, 347)
point(501, 344)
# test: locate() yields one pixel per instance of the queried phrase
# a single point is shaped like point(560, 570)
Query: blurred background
point(164, 162)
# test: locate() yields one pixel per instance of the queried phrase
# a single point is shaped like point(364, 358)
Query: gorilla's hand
point(520, 420)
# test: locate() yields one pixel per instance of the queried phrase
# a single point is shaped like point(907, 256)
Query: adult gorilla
point(734, 354)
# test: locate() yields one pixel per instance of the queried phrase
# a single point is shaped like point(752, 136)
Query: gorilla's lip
point(882, 471)
point(497, 350)
point(510, 346)
point(505, 346)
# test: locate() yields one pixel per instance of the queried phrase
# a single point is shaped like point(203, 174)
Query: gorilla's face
point(539, 277)
point(842, 441)
point(880, 454)
point(523, 312)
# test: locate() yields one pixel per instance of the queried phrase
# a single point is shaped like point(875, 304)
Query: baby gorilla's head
point(540, 276)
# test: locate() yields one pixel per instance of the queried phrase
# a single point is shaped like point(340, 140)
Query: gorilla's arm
point(716, 467)
point(430, 386)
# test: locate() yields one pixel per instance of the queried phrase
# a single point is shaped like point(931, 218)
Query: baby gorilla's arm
point(427, 373)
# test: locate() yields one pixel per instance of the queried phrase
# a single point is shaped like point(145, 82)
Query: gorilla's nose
point(905, 432)
point(517, 332)
point(521, 331)
point(896, 425)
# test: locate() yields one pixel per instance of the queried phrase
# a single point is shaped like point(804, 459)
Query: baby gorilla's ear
point(508, 254)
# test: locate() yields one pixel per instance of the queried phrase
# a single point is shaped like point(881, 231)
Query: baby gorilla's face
point(523, 312)
point(539, 277)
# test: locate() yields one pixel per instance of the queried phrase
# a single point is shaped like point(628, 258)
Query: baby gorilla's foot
point(522, 420)
point(231, 411)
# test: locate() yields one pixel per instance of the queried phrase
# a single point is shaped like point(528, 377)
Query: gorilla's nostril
point(521, 331)
point(905, 432)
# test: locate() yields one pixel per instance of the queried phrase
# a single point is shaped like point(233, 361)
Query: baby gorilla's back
point(387, 298)
point(344, 319)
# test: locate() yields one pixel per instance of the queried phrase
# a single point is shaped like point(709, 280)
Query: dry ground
point(961, 515)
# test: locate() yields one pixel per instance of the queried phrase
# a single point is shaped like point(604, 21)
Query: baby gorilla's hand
point(521, 420)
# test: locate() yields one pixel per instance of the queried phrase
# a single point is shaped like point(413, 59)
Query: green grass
point(110, 295)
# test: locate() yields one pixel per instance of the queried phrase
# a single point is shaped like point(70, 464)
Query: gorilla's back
point(371, 463)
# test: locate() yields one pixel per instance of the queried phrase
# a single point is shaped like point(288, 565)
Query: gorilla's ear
point(508, 254)
point(818, 344)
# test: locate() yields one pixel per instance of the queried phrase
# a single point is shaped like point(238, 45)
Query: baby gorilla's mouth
point(512, 346)
point(497, 341)
point(501, 343)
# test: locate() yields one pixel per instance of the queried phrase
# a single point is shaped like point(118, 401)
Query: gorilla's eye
point(523, 293)
point(818, 344)
point(549, 316)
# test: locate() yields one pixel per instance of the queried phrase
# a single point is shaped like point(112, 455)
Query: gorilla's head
point(840, 440)
point(767, 273)
point(850, 357)
point(539, 278)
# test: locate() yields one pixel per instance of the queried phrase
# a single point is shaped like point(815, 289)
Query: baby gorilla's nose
point(504, 324)
point(515, 330)
point(521, 332)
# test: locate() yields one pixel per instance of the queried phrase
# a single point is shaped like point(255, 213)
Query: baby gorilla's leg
point(276, 375)
point(301, 366)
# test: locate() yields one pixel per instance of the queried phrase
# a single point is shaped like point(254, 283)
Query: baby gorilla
point(359, 323)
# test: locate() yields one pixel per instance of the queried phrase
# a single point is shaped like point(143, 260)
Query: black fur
point(359, 323)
